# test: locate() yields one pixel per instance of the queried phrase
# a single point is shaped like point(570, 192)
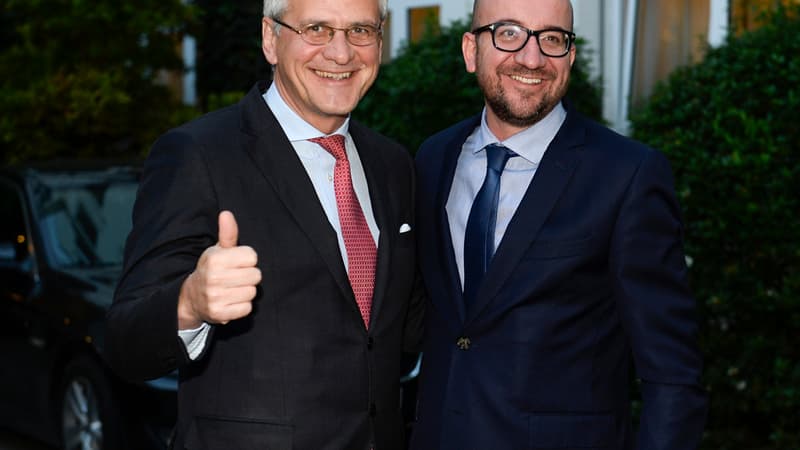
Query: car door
point(20, 353)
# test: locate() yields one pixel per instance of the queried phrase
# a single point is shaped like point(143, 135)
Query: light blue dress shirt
point(319, 165)
point(529, 144)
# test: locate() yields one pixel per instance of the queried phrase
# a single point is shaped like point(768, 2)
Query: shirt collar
point(295, 128)
point(529, 143)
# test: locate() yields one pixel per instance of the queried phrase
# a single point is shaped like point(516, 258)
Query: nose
point(338, 49)
point(530, 55)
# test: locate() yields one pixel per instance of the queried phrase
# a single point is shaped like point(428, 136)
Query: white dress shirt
point(529, 144)
point(319, 165)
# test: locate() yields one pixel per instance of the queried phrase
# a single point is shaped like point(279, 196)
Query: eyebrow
point(351, 24)
point(544, 27)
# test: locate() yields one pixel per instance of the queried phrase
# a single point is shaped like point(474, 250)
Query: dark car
point(62, 235)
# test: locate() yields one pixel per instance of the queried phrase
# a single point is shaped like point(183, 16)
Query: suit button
point(463, 343)
point(372, 410)
point(370, 342)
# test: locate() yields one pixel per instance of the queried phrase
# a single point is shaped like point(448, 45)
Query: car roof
point(97, 168)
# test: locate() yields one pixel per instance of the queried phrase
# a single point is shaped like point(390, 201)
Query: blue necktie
point(479, 235)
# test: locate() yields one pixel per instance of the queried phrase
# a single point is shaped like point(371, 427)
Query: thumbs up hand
point(223, 284)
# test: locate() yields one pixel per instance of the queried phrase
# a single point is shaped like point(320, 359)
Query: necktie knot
point(334, 144)
point(497, 156)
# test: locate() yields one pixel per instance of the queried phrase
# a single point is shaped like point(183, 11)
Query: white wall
point(718, 22)
point(189, 54)
point(589, 28)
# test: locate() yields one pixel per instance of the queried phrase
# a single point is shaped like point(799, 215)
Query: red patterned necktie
point(358, 241)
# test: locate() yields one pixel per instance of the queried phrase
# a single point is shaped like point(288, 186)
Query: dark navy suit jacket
point(588, 283)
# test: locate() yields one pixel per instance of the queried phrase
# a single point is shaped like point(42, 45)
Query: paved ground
point(11, 441)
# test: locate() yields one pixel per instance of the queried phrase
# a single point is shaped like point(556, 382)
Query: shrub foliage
point(229, 50)
point(730, 127)
point(426, 89)
point(80, 78)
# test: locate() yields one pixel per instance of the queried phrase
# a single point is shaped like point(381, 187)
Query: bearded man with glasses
point(272, 257)
point(551, 251)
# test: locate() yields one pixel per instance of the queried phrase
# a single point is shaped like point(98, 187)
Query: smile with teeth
point(527, 80)
point(333, 76)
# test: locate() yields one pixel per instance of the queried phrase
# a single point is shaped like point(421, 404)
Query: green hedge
point(731, 128)
point(426, 89)
point(81, 79)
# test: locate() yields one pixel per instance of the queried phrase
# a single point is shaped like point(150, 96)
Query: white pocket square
point(405, 228)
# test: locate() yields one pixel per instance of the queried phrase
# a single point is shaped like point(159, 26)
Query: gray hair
point(276, 8)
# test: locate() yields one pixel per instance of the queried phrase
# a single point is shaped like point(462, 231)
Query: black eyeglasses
point(320, 34)
point(510, 37)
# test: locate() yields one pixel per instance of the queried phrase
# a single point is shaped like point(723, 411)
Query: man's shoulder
point(609, 143)
point(213, 121)
point(203, 134)
point(457, 132)
point(223, 122)
point(364, 135)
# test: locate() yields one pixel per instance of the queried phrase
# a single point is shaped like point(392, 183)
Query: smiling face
point(520, 88)
point(322, 83)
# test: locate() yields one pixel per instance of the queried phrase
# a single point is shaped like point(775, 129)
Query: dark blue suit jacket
point(588, 282)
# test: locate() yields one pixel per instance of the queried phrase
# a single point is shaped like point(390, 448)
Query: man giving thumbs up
point(272, 259)
point(223, 285)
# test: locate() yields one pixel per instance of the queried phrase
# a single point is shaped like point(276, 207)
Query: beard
point(519, 110)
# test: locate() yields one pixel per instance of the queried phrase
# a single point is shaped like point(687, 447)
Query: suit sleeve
point(412, 342)
point(657, 309)
point(413, 332)
point(174, 221)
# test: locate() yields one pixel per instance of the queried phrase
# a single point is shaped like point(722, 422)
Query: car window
point(84, 220)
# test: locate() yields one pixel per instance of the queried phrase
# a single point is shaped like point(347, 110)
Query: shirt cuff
point(195, 339)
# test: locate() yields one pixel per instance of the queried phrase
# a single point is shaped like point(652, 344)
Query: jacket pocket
point(234, 433)
point(571, 431)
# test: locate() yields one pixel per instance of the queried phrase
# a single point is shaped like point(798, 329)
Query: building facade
point(633, 44)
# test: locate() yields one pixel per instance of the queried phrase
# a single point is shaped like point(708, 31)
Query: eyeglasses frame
point(493, 26)
point(378, 30)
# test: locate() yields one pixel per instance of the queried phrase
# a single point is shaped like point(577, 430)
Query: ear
point(469, 48)
point(573, 51)
point(380, 44)
point(269, 40)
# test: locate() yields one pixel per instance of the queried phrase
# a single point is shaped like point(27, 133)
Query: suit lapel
point(450, 154)
point(552, 176)
point(277, 160)
point(382, 206)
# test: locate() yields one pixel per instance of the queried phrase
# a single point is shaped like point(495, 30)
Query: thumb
point(228, 230)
